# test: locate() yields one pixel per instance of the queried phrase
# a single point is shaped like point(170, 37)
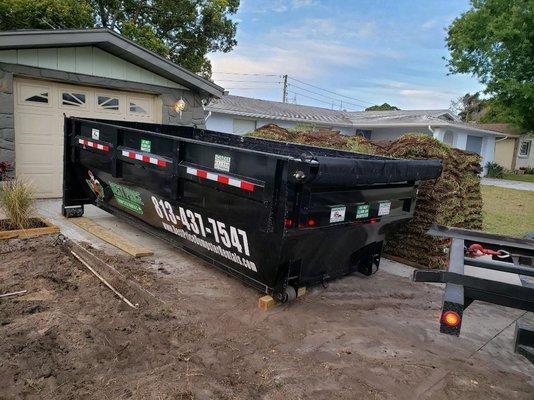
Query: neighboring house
point(239, 115)
point(88, 73)
point(512, 151)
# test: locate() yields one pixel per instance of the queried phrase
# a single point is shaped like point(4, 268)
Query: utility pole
point(284, 94)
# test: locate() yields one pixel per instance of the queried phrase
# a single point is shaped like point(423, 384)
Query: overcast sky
point(372, 51)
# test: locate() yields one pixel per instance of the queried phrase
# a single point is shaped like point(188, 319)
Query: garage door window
point(73, 99)
point(108, 103)
point(136, 108)
point(38, 98)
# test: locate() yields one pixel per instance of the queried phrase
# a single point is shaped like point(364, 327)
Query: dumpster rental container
point(276, 215)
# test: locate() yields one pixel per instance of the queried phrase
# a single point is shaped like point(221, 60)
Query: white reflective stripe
point(191, 171)
point(153, 160)
point(99, 147)
point(81, 141)
point(90, 144)
point(139, 157)
point(125, 153)
point(234, 182)
point(212, 176)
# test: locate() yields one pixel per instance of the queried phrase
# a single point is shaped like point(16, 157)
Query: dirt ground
point(198, 334)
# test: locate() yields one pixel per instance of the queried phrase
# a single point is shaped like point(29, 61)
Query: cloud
point(431, 23)
point(304, 3)
point(327, 28)
point(277, 6)
point(305, 59)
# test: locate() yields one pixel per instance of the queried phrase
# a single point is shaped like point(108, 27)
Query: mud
point(200, 335)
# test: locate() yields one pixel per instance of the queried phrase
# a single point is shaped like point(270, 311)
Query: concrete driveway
point(386, 327)
point(508, 184)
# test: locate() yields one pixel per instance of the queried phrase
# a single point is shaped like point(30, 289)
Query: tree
point(494, 41)
point(383, 107)
point(470, 107)
point(45, 14)
point(184, 31)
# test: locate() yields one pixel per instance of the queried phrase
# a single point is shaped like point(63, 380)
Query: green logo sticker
point(128, 198)
point(146, 145)
point(362, 210)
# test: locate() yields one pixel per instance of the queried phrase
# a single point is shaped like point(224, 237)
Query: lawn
point(508, 211)
point(518, 177)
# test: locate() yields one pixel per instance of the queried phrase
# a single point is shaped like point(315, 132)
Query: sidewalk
point(508, 184)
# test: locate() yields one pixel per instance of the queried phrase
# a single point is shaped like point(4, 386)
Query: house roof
point(501, 128)
point(113, 43)
point(396, 117)
point(255, 108)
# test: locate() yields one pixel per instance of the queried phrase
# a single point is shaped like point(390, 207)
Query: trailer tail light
point(288, 223)
point(372, 221)
point(311, 222)
point(451, 319)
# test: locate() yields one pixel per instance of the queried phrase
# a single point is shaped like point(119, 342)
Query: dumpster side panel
point(215, 202)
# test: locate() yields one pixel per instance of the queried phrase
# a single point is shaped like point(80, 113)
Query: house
point(239, 115)
point(88, 73)
point(513, 151)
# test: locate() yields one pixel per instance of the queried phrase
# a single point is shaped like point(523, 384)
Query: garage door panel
point(36, 127)
point(37, 155)
point(44, 184)
point(39, 109)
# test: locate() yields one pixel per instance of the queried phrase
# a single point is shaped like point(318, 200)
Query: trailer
point(487, 267)
point(276, 215)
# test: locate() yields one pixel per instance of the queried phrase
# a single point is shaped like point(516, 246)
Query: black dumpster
point(276, 215)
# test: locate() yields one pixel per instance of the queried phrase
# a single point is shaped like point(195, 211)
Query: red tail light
point(451, 319)
point(372, 221)
point(312, 222)
point(288, 223)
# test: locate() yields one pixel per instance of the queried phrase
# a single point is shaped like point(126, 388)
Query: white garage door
point(39, 109)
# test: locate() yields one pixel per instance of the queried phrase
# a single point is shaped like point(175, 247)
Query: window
point(108, 103)
point(524, 148)
point(135, 108)
point(38, 98)
point(73, 99)
point(474, 144)
point(448, 138)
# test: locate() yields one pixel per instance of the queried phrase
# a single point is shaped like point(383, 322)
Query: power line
point(329, 91)
point(326, 97)
point(247, 88)
point(235, 80)
point(310, 97)
point(240, 73)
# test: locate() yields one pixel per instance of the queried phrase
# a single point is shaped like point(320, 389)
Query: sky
point(363, 52)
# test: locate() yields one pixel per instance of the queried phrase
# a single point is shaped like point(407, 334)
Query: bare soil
point(6, 225)
point(198, 334)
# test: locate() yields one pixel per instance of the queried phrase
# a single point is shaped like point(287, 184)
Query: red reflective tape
point(146, 159)
point(202, 173)
point(223, 179)
point(105, 148)
point(247, 186)
point(162, 163)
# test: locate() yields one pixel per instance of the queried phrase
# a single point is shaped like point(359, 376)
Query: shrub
point(494, 170)
point(4, 168)
point(529, 171)
point(17, 201)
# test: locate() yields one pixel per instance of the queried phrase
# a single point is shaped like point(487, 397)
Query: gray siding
point(88, 60)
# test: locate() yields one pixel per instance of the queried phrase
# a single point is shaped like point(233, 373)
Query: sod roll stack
point(454, 199)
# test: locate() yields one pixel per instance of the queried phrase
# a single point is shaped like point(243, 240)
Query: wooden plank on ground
point(111, 237)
